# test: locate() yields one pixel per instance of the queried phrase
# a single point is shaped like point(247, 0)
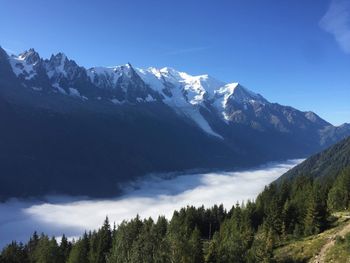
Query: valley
point(152, 197)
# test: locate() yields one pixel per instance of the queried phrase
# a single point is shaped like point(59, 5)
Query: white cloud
point(336, 21)
point(149, 197)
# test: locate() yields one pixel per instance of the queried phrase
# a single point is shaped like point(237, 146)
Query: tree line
point(248, 232)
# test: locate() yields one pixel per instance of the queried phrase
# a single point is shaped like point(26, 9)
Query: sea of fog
point(150, 197)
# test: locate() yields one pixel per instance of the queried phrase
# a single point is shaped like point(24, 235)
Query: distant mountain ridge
point(112, 124)
point(185, 93)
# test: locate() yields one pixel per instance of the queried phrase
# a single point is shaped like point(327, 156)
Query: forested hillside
point(324, 164)
point(294, 208)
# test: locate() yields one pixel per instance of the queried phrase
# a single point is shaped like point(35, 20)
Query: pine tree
point(316, 215)
point(339, 194)
point(31, 246)
point(159, 231)
point(196, 247)
point(65, 248)
point(47, 250)
point(143, 248)
point(273, 219)
point(127, 233)
point(80, 251)
point(310, 224)
point(14, 253)
point(211, 255)
point(231, 248)
point(93, 247)
point(289, 218)
point(262, 248)
point(104, 242)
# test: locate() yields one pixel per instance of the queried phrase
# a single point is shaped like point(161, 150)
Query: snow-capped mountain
point(134, 121)
point(184, 93)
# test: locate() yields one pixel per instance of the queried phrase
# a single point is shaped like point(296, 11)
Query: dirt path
point(320, 257)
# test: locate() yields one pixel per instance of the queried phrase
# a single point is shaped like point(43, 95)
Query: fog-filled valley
point(152, 196)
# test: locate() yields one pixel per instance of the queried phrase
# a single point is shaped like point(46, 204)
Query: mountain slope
point(68, 129)
point(327, 163)
point(188, 95)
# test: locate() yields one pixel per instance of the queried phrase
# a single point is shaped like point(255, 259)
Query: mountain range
point(67, 129)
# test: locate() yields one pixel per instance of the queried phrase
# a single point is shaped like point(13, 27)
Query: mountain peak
point(168, 70)
point(30, 56)
point(59, 58)
point(243, 95)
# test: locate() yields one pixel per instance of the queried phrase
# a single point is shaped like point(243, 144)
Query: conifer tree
point(316, 215)
point(104, 240)
point(14, 253)
point(47, 250)
point(339, 194)
point(31, 246)
point(196, 247)
point(80, 251)
point(93, 247)
point(231, 248)
point(262, 247)
point(273, 219)
point(65, 247)
point(211, 255)
point(162, 245)
point(127, 233)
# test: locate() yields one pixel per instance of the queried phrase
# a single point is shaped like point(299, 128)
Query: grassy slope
point(340, 252)
point(304, 250)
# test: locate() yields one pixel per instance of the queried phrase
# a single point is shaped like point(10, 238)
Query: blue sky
point(293, 52)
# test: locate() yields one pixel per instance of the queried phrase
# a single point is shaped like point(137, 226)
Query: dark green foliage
point(126, 234)
point(262, 247)
point(196, 247)
point(47, 251)
point(339, 194)
point(31, 246)
point(100, 243)
point(80, 251)
point(104, 242)
point(39, 250)
point(316, 218)
point(65, 248)
point(14, 253)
